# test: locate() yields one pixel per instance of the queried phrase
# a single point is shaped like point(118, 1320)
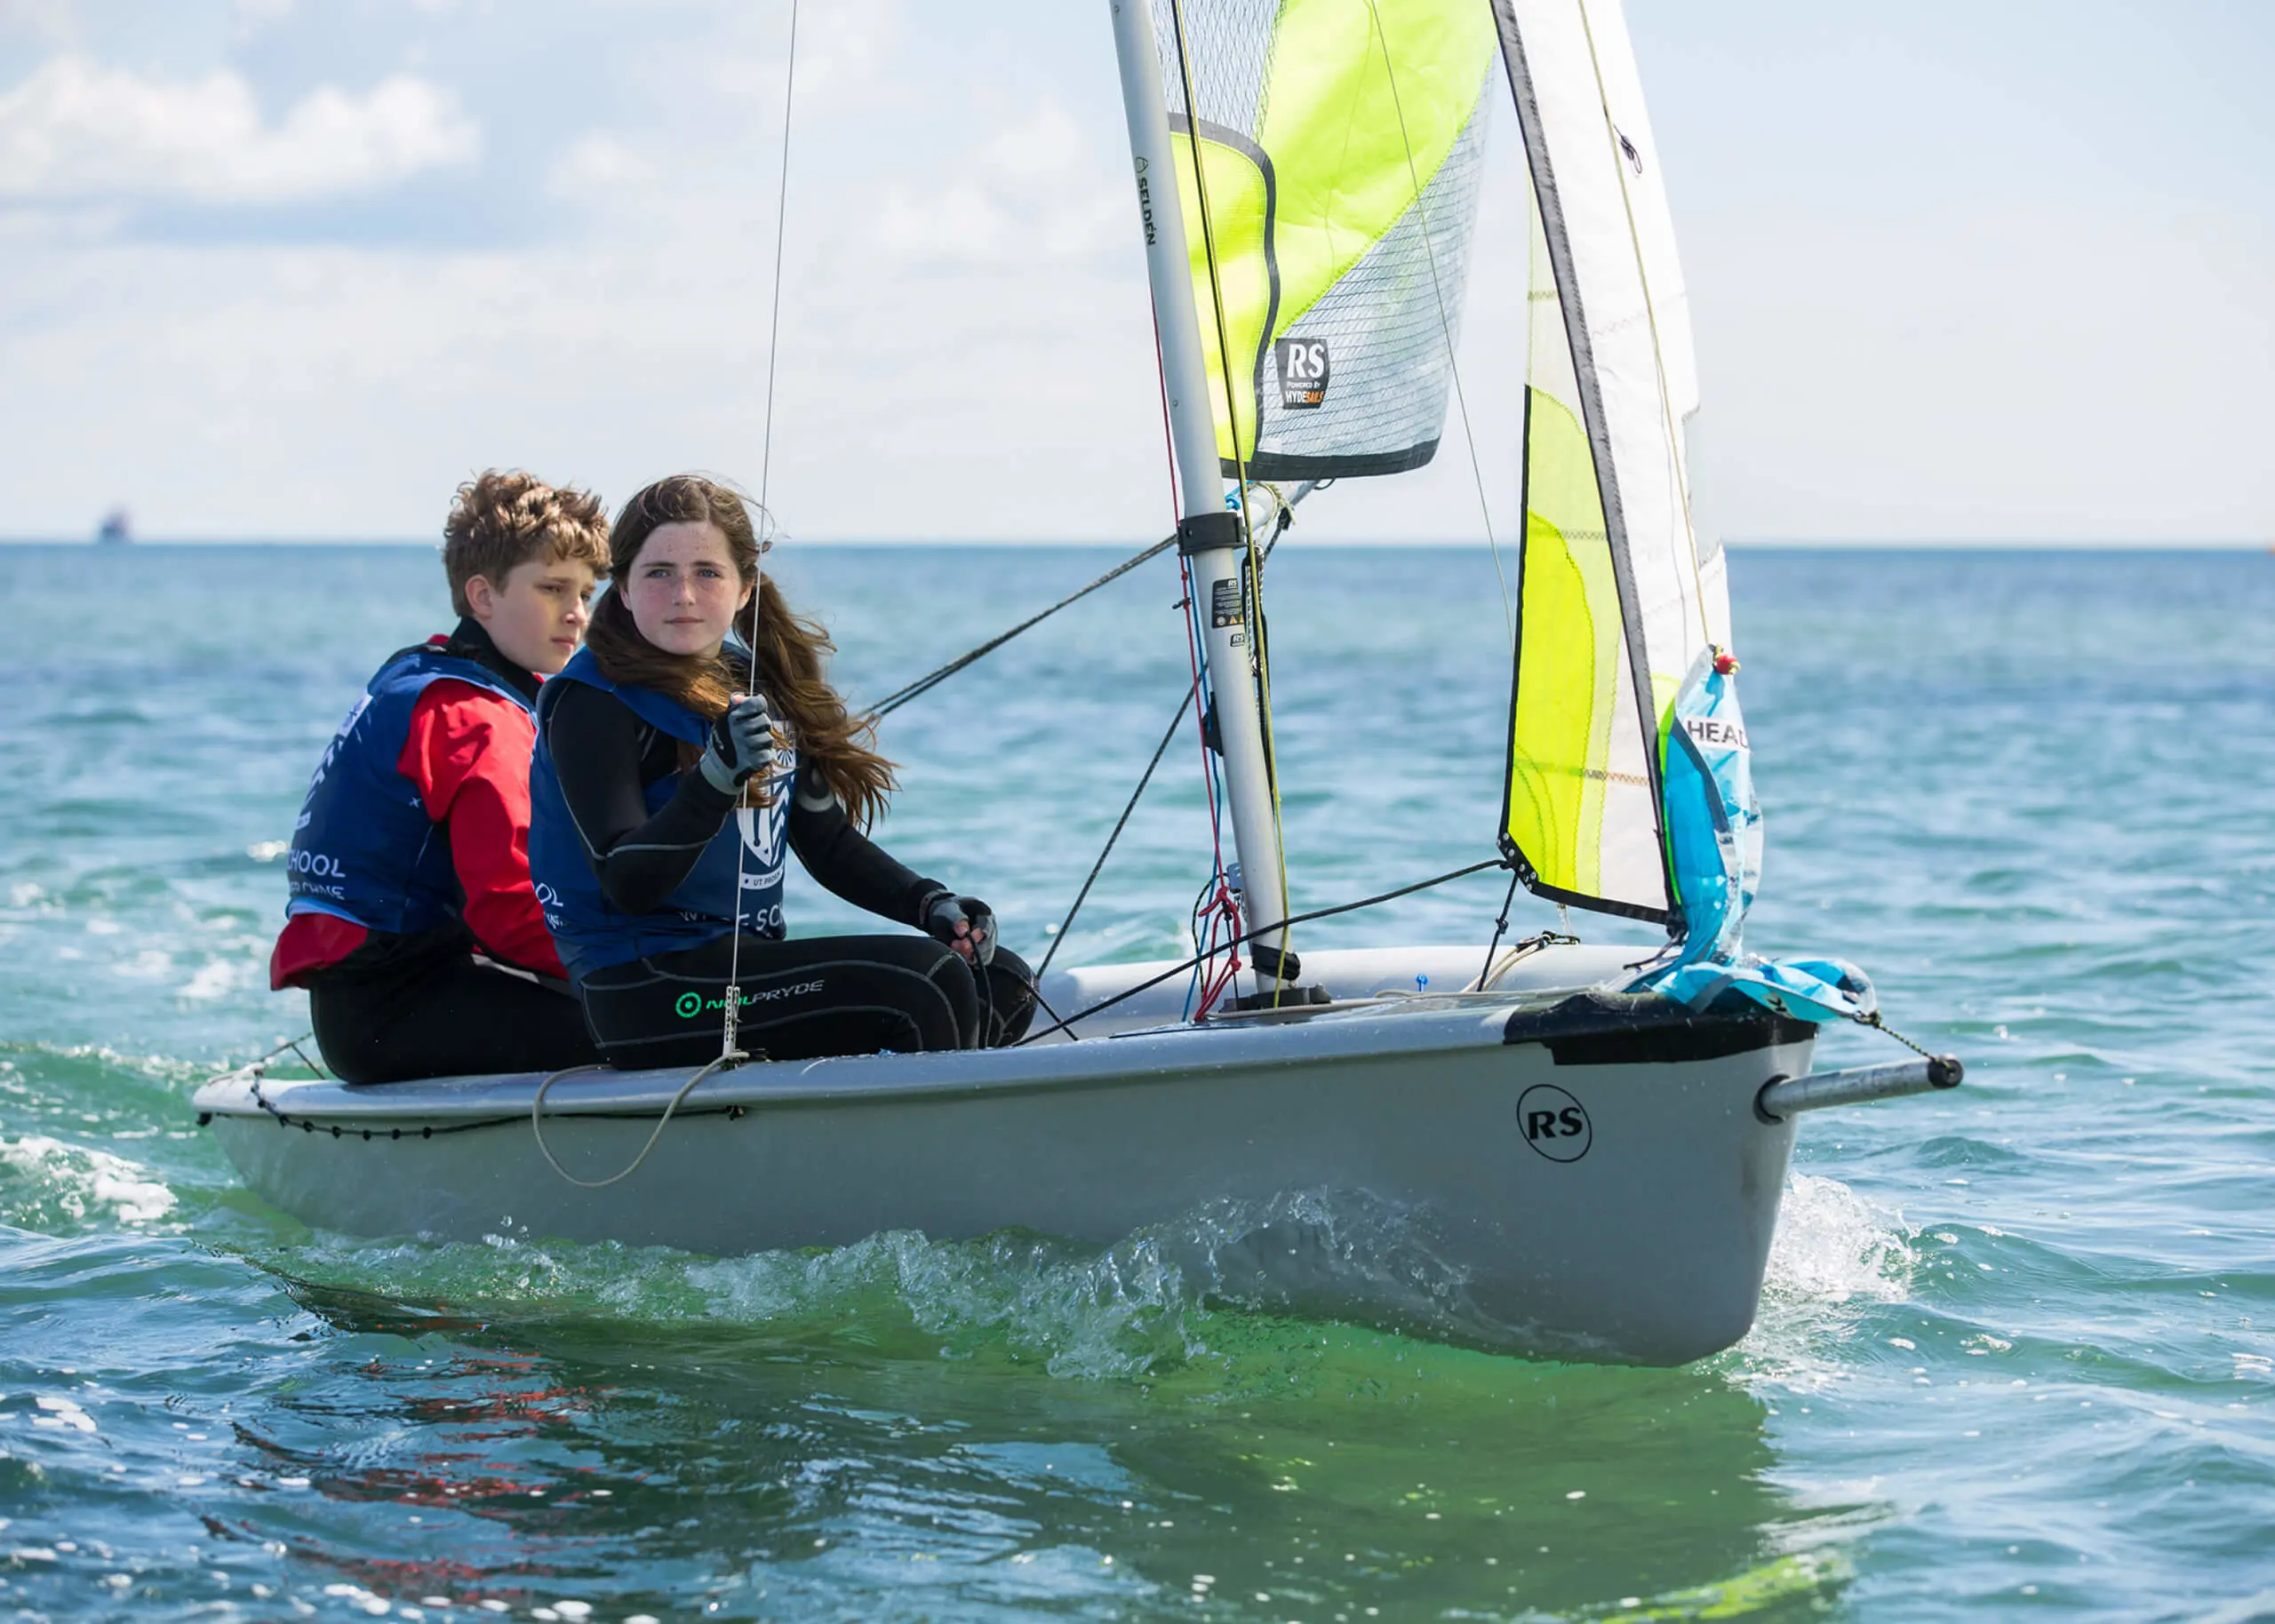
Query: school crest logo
point(765, 829)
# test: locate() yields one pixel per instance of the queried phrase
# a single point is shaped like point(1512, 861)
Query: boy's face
point(537, 617)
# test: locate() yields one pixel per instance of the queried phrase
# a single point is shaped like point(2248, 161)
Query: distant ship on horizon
point(117, 530)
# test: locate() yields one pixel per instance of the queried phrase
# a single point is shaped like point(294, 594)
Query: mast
point(1209, 534)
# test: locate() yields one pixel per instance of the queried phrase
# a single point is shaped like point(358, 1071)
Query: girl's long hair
point(789, 650)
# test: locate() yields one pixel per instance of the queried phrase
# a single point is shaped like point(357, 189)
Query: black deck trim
point(1617, 1029)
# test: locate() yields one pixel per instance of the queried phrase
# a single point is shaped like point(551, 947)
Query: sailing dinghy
point(1551, 1147)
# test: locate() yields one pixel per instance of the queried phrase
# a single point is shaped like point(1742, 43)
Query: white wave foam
point(73, 1182)
point(216, 977)
point(1833, 1245)
point(1118, 1314)
point(1835, 1252)
point(1140, 1307)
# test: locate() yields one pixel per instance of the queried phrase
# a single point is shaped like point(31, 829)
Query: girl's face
point(683, 589)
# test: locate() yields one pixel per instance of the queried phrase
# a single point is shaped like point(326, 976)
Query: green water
point(2015, 1353)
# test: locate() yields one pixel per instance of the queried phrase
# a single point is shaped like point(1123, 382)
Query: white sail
point(1617, 605)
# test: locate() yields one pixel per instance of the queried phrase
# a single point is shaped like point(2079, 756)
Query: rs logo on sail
point(1304, 370)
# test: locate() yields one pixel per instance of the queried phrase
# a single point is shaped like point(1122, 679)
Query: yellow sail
point(1618, 602)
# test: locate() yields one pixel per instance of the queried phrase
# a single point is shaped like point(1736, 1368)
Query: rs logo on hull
point(1555, 1124)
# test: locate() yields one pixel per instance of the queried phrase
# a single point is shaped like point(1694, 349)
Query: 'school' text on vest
point(365, 849)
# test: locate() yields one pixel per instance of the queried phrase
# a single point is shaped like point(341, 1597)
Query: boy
point(412, 922)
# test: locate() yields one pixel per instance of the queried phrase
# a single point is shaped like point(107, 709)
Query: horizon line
point(2045, 544)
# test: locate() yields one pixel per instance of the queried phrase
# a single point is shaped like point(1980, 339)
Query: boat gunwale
point(1051, 1069)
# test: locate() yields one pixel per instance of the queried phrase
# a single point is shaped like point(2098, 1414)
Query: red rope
point(1169, 437)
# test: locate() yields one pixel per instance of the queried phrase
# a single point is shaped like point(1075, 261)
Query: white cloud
point(597, 166)
point(44, 18)
point(76, 130)
point(1025, 195)
point(253, 16)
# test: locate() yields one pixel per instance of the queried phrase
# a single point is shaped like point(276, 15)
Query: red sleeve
point(310, 943)
point(468, 753)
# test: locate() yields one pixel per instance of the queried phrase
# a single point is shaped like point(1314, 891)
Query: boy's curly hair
point(505, 518)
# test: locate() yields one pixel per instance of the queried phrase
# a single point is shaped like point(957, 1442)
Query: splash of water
point(1834, 1255)
point(1146, 1305)
point(53, 1184)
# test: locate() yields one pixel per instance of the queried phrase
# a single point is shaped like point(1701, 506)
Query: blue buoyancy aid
point(365, 849)
point(589, 930)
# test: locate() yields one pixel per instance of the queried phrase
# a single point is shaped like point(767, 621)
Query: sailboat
point(1553, 1147)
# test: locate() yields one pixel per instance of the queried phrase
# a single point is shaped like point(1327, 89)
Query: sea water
point(2016, 1351)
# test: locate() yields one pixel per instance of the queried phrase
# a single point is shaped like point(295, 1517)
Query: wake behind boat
point(1558, 1147)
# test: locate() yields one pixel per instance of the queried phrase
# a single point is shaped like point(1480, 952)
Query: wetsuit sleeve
point(468, 753)
point(639, 859)
point(848, 862)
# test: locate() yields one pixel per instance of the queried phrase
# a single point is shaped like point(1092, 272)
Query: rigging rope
point(1283, 516)
point(1877, 1025)
point(1300, 919)
point(1144, 778)
point(537, 1120)
point(1500, 926)
point(774, 322)
point(729, 1051)
point(258, 1067)
point(901, 696)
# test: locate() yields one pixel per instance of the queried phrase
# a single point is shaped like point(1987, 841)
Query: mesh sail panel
point(1341, 144)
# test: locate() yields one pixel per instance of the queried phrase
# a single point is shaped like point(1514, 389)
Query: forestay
point(1341, 146)
point(1620, 613)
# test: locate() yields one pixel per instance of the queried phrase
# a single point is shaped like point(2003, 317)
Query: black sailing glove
point(963, 923)
point(742, 746)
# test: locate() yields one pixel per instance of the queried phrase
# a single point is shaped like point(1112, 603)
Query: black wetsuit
point(815, 996)
point(400, 1007)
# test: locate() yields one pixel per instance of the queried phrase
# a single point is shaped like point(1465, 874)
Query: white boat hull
point(1631, 1223)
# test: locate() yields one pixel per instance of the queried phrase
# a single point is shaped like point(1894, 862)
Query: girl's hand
point(742, 745)
point(963, 923)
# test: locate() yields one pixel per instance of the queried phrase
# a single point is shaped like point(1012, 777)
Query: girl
point(674, 766)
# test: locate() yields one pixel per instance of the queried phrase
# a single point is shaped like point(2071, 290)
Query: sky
point(294, 268)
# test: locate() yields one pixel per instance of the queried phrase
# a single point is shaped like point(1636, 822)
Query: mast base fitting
point(1286, 998)
point(1207, 533)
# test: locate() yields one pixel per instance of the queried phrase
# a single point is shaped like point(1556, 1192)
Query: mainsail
point(1341, 144)
point(1621, 665)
